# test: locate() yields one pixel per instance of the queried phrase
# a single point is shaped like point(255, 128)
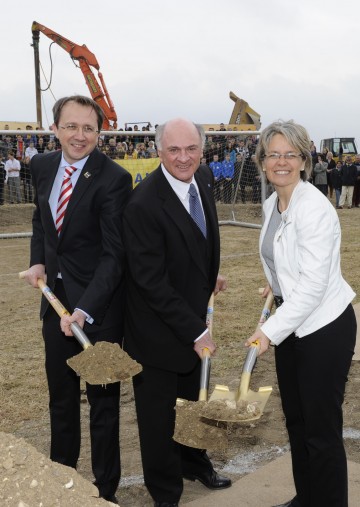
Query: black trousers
point(164, 460)
point(64, 404)
point(312, 373)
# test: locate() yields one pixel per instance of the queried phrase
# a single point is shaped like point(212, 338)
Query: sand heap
point(29, 479)
point(104, 363)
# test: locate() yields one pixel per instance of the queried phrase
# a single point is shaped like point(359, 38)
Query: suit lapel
point(87, 175)
point(178, 214)
point(51, 172)
point(207, 197)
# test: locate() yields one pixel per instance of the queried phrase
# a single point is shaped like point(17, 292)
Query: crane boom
point(86, 59)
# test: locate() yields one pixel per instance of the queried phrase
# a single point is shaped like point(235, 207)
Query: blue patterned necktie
point(196, 211)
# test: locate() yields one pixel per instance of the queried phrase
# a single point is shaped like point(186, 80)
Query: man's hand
point(32, 274)
point(66, 321)
point(205, 342)
point(220, 284)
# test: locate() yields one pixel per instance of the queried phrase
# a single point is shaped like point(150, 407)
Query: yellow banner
point(139, 168)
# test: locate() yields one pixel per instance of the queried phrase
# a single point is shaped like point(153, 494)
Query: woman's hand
point(262, 339)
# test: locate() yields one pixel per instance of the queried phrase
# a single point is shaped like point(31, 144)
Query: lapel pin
point(87, 175)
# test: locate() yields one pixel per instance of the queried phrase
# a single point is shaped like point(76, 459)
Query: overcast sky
point(166, 58)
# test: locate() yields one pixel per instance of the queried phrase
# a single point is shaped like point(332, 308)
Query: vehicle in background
point(243, 117)
point(339, 147)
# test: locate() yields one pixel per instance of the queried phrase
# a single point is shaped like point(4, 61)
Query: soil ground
point(23, 390)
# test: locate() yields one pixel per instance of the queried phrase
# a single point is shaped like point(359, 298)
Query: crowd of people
point(231, 159)
point(341, 177)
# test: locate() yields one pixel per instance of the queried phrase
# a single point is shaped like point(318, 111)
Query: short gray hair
point(295, 134)
point(160, 131)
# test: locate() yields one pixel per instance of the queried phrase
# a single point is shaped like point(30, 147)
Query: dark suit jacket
point(89, 251)
point(171, 272)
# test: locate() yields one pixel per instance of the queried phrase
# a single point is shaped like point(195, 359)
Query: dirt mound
point(29, 479)
point(104, 363)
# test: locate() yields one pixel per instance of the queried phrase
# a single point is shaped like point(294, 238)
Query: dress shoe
point(110, 498)
point(165, 504)
point(210, 479)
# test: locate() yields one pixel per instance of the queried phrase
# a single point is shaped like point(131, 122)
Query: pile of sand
point(104, 363)
point(29, 479)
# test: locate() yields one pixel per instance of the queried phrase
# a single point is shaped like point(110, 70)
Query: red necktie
point(64, 197)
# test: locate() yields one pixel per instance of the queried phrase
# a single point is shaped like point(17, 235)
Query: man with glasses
point(76, 246)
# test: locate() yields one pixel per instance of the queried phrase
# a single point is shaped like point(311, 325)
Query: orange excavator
point(86, 59)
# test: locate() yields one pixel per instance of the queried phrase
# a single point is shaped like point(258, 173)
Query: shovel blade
point(252, 404)
point(192, 430)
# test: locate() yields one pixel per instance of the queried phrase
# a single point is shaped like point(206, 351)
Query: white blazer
point(307, 261)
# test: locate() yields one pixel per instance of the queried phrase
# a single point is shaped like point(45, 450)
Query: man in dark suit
point(80, 254)
point(172, 269)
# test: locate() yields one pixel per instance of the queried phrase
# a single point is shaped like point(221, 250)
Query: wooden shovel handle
point(61, 310)
point(50, 296)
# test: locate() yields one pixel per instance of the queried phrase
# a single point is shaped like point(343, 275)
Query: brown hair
point(82, 101)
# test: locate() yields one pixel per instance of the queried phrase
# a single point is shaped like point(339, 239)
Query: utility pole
point(35, 45)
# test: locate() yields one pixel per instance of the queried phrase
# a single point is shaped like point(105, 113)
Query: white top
point(307, 262)
point(12, 168)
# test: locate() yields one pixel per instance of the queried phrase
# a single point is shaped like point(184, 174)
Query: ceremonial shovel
point(102, 363)
point(242, 405)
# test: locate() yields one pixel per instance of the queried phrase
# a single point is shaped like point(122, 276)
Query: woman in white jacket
point(314, 326)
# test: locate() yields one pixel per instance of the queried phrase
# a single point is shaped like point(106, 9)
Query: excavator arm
point(86, 60)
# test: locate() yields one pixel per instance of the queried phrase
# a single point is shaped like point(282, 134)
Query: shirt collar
point(79, 164)
point(181, 188)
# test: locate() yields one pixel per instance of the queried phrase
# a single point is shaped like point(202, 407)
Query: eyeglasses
point(287, 156)
point(86, 129)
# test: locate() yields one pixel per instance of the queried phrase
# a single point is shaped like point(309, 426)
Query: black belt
point(278, 300)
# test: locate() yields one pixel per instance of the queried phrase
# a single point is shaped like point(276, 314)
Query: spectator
point(120, 150)
point(210, 151)
point(25, 176)
point(320, 174)
point(40, 146)
point(2, 179)
point(112, 151)
point(31, 150)
point(101, 144)
point(141, 150)
point(335, 176)
point(151, 149)
point(348, 179)
point(20, 147)
point(239, 171)
point(216, 168)
point(227, 171)
point(331, 165)
point(356, 195)
point(12, 168)
point(241, 148)
point(230, 149)
point(50, 147)
point(256, 182)
point(314, 159)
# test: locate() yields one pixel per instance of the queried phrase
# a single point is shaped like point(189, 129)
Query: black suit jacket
point(171, 272)
point(88, 252)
